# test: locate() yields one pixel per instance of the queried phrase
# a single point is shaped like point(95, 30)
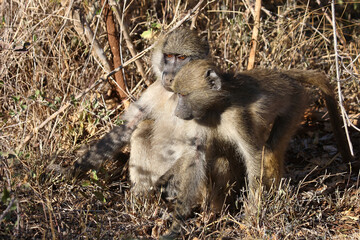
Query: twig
point(8, 208)
point(128, 41)
point(114, 41)
point(332, 22)
point(68, 12)
point(131, 60)
point(77, 97)
point(255, 34)
point(187, 16)
point(62, 109)
point(82, 27)
point(303, 23)
point(12, 200)
point(343, 113)
point(247, 5)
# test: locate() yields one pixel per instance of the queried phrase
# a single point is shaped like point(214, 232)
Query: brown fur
point(160, 141)
point(253, 113)
point(152, 102)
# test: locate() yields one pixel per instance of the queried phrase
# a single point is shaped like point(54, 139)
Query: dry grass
point(321, 200)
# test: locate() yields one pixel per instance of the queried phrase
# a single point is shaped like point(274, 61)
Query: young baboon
point(253, 112)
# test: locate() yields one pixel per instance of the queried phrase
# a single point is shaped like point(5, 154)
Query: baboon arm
point(105, 148)
point(113, 142)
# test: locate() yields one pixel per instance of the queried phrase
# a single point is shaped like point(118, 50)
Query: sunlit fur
point(159, 140)
point(254, 111)
point(154, 103)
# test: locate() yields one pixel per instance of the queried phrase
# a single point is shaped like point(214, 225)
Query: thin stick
point(338, 33)
point(82, 28)
point(8, 209)
point(127, 38)
point(255, 34)
point(248, 7)
point(77, 97)
point(343, 113)
point(113, 40)
point(187, 16)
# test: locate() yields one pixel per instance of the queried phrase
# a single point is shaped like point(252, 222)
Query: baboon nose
point(168, 78)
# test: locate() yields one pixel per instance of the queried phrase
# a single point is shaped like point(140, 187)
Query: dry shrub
point(45, 63)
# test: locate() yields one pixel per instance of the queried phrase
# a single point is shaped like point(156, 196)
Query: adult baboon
point(153, 111)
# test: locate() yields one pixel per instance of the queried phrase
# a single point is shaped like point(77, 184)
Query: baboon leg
point(107, 147)
point(220, 181)
point(113, 142)
point(151, 157)
point(227, 177)
point(273, 163)
point(170, 182)
point(192, 184)
point(140, 169)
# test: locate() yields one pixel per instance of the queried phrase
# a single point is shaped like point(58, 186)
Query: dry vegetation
point(46, 63)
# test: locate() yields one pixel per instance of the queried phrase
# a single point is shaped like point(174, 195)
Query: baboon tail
point(314, 78)
point(320, 80)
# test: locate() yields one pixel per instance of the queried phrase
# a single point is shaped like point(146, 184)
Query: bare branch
point(114, 41)
point(77, 97)
point(83, 29)
point(8, 208)
point(127, 38)
point(255, 34)
point(187, 16)
point(343, 113)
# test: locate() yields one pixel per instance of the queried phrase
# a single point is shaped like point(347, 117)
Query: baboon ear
point(213, 79)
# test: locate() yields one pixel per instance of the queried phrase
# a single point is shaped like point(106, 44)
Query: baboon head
point(174, 50)
point(199, 89)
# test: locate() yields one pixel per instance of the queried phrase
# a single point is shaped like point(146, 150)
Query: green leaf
point(94, 176)
point(100, 196)
point(16, 98)
point(5, 195)
point(119, 121)
point(86, 183)
point(147, 34)
point(156, 26)
point(13, 207)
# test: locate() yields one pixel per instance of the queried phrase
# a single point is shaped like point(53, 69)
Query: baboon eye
point(181, 57)
point(169, 55)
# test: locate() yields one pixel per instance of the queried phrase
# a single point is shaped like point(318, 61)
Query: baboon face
point(174, 51)
point(172, 64)
point(199, 89)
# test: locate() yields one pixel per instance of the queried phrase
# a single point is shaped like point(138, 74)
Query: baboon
point(155, 144)
point(255, 113)
point(169, 151)
point(159, 140)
